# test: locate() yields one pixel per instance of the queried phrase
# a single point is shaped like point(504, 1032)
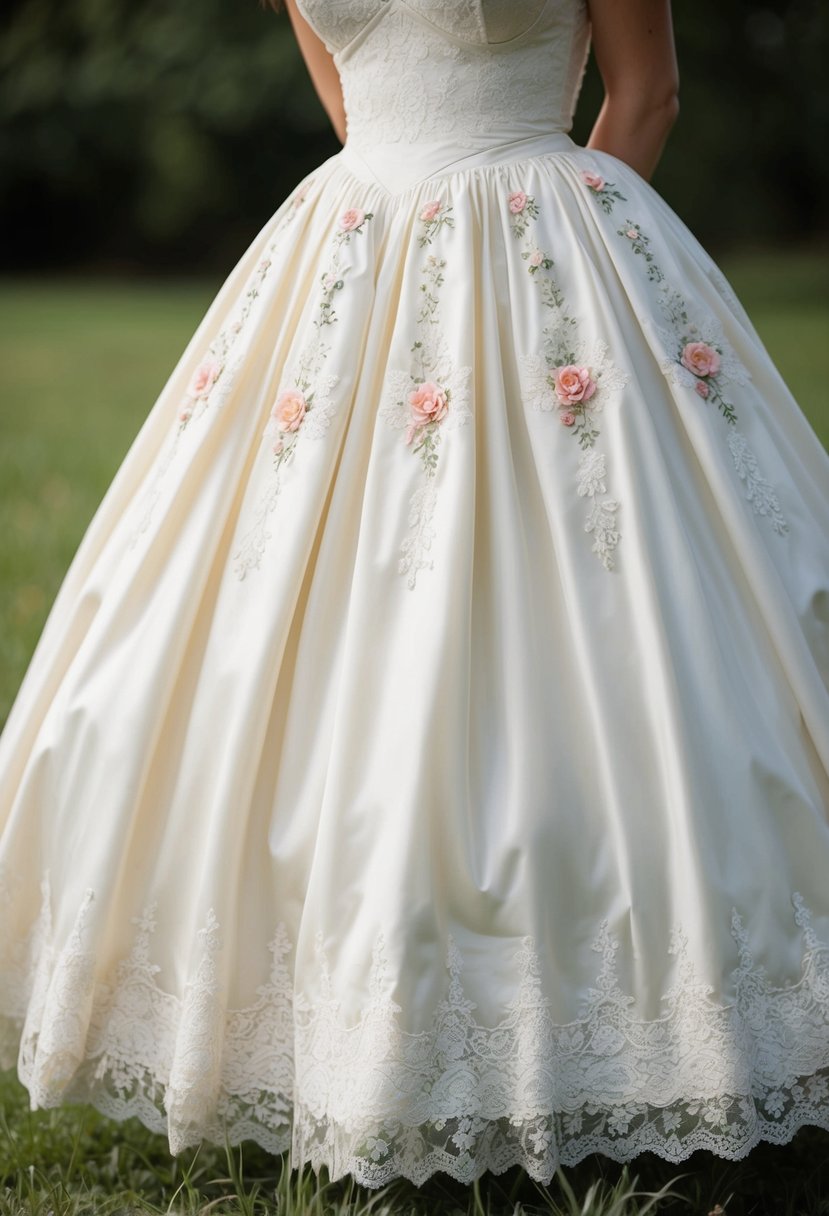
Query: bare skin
point(633, 43)
point(320, 64)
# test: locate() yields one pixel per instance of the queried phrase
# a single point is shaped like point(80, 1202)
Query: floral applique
point(434, 216)
point(431, 396)
point(303, 405)
point(201, 389)
point(213, 370)
point(212, 380)
point(640, 244)
point(758, 491)
point(353, 220)
point(538, 260)
point(698, 358)
point(604, 192)
point(522, 209)
point(601, 516)
point(573, 379)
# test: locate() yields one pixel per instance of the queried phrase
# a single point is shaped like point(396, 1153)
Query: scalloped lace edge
point(375, 1101)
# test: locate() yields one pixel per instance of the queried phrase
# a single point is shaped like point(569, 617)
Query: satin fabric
point(401, 818)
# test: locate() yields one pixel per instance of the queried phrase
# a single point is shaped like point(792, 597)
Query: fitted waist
point(397, 167)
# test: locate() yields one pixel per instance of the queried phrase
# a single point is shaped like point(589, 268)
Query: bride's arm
point(633, 43)
point(320, 64)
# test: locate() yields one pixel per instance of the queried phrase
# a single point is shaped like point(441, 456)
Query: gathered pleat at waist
point(399, 167)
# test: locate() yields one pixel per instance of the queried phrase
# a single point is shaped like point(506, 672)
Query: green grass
point(71, 1160)
point(82, 363)
point(787, 297)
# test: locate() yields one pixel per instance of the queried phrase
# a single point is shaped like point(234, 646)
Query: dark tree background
point(159, 135)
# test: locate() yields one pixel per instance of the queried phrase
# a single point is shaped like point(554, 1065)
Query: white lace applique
point(472, 84)
point(54, 1033)
point(255, 540)
point(132, 1033)
point(339, 23)
point(369, 1097)
point(758, 491)
point(212, 381)
point(305, 403)
point(601, 518)
point(700, 359)
point(431, 397)
point(414, 50)
point(572, 377)
point(462, 18)
point(640, 244)
point(698, 356)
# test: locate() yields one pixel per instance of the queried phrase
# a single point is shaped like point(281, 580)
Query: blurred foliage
point(162, 135)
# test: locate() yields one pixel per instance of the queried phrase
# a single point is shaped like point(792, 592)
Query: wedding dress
point(425, 763)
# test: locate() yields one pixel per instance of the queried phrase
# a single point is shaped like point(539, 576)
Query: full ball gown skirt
point(425, 763)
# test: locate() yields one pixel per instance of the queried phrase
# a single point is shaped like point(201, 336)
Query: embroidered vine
point(304, 405)
point(434, 216)
point(201, 389)
point(604, 192)
point(211, 382)
point(641, 246)
point(289, 1070)
point(700, 355)
point(697, 356)
point(522, 209)
point(427, 398)
point(758, 491)
point(572, 378)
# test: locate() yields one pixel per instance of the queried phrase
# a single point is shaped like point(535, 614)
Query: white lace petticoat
point(376, 1101)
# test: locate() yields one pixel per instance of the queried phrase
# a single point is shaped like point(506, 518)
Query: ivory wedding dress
point(425, 763)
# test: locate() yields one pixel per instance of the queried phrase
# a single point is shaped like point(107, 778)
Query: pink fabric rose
point(517, 202)
point(278, 445)
point(186, 413)
point(632, 234)
point(351, 219)
point(591, 179)
point(430, 210)
point(700, 358)
point(573, 384)
point(429, 403)
point(701, 388)
point(203, 378)
point(289, 410)
point(536, 257)
point(567, 419)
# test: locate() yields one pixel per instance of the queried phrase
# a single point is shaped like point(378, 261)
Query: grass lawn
point(82, 363)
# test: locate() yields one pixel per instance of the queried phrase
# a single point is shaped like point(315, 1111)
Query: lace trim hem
point(378, 1102)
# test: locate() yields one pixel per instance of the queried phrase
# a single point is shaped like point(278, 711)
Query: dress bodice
point(426, 82)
